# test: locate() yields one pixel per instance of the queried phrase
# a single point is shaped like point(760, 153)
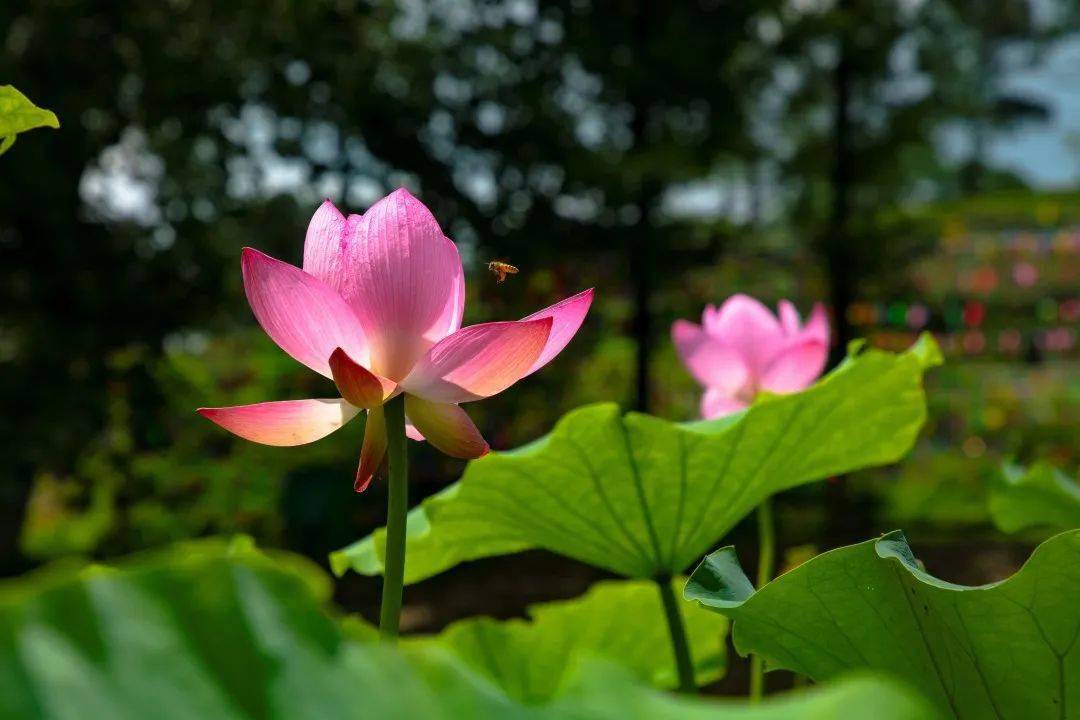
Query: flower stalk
point(397, 511)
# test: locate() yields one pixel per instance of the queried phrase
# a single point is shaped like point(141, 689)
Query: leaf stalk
point(684, 665)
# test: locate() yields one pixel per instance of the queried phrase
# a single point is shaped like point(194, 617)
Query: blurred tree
point(864, 94)
point(575, 139)
point(548, 135)
point(571, 124)
point(999, 35)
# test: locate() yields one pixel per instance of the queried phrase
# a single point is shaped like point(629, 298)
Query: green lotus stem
point(684, 665)
point(397, 510)
point(766, 560)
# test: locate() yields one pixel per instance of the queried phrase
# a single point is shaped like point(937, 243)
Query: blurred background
point(913, 163)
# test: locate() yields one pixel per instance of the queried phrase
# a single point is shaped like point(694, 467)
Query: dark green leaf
point(1038, 497)
point(1008, 650)
point(620, 621)
point(644, 497)
point(212, 632)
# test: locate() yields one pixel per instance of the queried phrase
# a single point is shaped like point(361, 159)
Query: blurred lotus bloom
point(377, 308)
point(742, 349)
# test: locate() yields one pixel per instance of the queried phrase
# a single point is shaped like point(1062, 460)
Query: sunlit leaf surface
point(618, 621)
point(18, 114)
point(644, 497)
point(1008, 650)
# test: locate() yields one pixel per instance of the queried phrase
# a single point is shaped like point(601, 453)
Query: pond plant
point(643, 497)
point(219, 629)
point(739, 351)
point(377, 307)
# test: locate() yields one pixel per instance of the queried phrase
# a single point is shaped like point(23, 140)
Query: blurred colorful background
point(914, 163)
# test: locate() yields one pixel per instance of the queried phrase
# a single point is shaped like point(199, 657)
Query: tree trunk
point(641, 276)
point(841, 260)
point(839, 254)
point(640, 248)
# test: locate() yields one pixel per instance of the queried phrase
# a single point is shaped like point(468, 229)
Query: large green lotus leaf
point(1039, 497)
point(211, 632)
point(18, 114)
point(1007, 650)
point(644, 497)
point(619, 621)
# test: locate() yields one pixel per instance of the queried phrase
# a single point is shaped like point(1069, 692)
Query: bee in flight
point(501, 269)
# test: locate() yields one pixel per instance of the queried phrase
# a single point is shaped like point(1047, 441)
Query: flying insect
point(501, 270)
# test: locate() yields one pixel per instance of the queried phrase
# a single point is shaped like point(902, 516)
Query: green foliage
point(140, 485)
point(1007, 209)
point(219, 631)
point(1038, 497)
point(619, 621)
point(18, 114)
point(933, 488)
point(644, 497)
point(981, 413)
point(1008, 650)
point(57, 525)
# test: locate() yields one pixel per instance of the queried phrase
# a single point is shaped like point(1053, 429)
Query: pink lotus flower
point(377, 308)
point(742, 349)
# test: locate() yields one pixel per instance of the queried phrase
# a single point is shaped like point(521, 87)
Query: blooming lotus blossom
point(742, 349)
point(377, 308)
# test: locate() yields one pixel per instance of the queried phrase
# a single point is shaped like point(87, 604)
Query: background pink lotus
point(742, 348)
point(377, 307)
